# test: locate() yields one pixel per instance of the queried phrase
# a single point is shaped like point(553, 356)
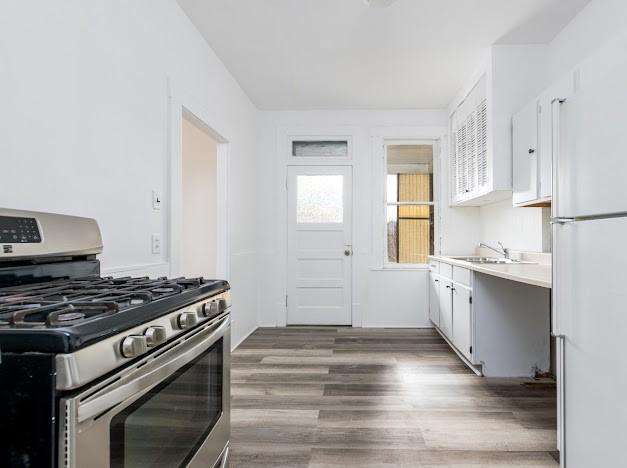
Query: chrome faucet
point(504, 251)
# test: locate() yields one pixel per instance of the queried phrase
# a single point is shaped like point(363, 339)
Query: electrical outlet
point(156, 200)
point(156, 243)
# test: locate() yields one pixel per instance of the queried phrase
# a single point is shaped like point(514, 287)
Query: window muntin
point(409, 204)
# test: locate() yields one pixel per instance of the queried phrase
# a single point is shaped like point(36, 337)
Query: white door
point(462, 319)
point(446, 308)
point(526, 154)
point(592, 158)
point(590, 313)
point(319, 245)
point(434, 299)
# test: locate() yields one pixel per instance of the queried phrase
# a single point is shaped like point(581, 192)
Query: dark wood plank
point(341, 397)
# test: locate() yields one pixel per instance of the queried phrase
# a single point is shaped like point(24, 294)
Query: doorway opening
point(199, 197)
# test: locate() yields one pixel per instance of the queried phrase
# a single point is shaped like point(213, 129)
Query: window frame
point(387, 265)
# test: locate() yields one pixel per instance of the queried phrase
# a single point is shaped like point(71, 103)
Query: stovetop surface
point(62, 316)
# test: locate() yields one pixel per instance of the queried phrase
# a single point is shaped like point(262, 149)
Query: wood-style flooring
point(362, 397)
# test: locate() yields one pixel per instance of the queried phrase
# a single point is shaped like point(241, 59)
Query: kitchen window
point(409, 204)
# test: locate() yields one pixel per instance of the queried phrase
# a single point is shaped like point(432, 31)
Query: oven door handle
point(104, 402)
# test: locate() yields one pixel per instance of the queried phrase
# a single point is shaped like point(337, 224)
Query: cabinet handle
point(448, 286)
point(532, 150)
point(453, 289)
point(437, 281)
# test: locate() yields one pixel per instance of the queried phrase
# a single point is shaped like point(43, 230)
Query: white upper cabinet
point(526, 152)
point(534, 127)
point(480, 161)
point(469, 144)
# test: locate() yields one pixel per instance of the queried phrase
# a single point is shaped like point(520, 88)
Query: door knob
point(347, 253)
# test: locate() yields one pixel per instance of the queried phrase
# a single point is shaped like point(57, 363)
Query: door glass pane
point(320, 149)
point(320, 199)
point(166, 426)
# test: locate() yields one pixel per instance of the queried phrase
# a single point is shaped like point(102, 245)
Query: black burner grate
point(68, 302)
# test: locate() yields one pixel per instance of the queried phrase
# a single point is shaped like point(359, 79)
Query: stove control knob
point(210, 309)
point(155, 336)
point(213, 308)
point(187, 319)
point(133, 346)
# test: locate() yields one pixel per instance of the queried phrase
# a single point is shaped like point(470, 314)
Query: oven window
point(166, 426)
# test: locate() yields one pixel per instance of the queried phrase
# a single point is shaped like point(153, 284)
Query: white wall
point(598, 23)
point(380, 297)
point(516, 228)
point(199, 236)
point(84, 125)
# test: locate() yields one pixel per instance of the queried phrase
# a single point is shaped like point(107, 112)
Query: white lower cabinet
point(445, 301)
point(462, 320)
point(446, 308)
point(434, 299)
point(450, 307)
point(498, 326)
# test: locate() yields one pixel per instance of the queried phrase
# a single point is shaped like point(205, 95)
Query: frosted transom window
point(320, 149)
point(320, 199)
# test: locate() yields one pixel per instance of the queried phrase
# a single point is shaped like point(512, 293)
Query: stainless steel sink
point(490, 260)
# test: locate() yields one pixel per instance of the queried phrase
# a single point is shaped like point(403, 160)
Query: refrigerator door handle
point(559, 220)
point(555, 140)
point(561, 413)
point(557, 225)
point(556, 221)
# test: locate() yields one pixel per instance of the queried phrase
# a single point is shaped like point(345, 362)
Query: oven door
point(170, 410)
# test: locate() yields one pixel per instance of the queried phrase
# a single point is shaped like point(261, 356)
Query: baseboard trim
point(413, 326)
point(236, 345)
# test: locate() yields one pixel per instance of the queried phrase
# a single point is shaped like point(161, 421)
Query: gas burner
point(50, 315)
point(65, 303)
point(70, 316)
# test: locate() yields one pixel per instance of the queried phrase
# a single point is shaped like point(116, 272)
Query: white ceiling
point(343, 54)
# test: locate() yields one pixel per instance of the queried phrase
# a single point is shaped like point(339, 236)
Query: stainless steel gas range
point(106, 372)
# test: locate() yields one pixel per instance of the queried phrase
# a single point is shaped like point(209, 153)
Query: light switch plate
point(156, 200)
point(156, 243)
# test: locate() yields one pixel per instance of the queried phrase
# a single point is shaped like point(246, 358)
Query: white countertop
point(536, 274)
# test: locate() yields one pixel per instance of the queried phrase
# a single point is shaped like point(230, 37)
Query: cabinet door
point(446, 308)
point(545, 143)
point(462, 330)
point(434, 299)
point(526, 155)
point(457, 166)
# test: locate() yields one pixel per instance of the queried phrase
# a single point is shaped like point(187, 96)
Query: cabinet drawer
point(446, 270)
point(461, 275)
point(434, 266)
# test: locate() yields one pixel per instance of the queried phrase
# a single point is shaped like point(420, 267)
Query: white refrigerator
point(589, 216)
